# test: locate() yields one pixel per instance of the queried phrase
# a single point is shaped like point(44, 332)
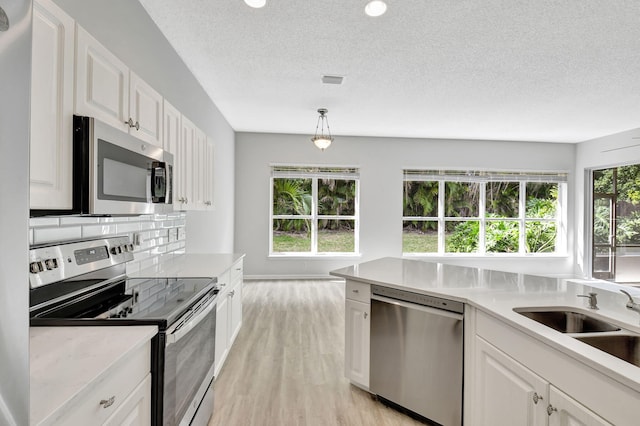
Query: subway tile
point(132, 267)
point(147, 225)
point(141, 218)
point(47, 235)
point(128, 227)
point(36, 222)
point(159, 217)
point(30, 236)
point(98, 230)
point(78, 220)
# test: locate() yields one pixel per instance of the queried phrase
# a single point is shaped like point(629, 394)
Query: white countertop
point(497, 293)
point(191, 266)
point(64, 361)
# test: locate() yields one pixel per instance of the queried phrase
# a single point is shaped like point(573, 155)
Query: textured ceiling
point(560, 71)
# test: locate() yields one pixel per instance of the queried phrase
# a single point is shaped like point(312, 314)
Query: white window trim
point(295, 172)
point(444, 175)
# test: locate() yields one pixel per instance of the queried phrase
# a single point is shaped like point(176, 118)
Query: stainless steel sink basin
point(567, 321)
point(622, 346)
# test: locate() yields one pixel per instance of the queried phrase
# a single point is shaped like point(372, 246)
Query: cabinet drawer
point(358, 291)
point(116, 384)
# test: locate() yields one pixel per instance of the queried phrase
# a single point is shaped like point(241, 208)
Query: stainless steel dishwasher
point(417, 353)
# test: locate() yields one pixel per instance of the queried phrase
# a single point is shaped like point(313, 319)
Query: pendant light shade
point(321, 140)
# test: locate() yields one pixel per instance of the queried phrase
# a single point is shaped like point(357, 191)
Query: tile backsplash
point(155, 237)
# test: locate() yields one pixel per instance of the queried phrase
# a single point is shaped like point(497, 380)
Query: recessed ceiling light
point(375, 8)
point(256, 3)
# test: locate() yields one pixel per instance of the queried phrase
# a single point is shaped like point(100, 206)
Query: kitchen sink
point(567, 321)
point(625, 347)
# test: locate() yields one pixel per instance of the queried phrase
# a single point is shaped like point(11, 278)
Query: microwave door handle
point(174, 335)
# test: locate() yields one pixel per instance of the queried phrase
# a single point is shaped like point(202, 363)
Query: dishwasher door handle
point(408, 305)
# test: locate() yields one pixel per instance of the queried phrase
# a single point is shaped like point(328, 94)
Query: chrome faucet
point(631, 304)
point(593, 300)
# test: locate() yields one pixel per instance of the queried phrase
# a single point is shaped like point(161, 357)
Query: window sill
point(485, 256)
point(330, 256)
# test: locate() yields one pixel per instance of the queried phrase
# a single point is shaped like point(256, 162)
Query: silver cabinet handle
point(356, 291)
point(536, 397)
point(223, 284)
point(365, 315)
point(131, 124)
point(551, 409)
point(238, 269)
point(106, 403)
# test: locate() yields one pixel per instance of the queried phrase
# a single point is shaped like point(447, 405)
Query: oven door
point(189, 359)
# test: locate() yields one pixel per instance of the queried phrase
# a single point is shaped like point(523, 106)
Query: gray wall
point(126, 29)
point(381, 161)
point(15, 73)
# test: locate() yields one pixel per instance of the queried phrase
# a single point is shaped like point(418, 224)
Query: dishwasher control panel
point(419, 299)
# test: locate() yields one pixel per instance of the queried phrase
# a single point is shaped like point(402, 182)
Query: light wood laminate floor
point(287, 364)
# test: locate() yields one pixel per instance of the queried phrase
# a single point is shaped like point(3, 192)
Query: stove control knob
point(130, 247)
point(114, 250)
point(33, 267)
point(51, 263)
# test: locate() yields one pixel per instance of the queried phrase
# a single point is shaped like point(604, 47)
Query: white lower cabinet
point(228, 312)
point(121, 397)
point(357, 333)
point(517, 380)
point(509, 394)
point(566, 411)
point(136, 409)
point(506, 392)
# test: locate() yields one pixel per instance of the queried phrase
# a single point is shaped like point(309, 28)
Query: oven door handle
point(179, 331)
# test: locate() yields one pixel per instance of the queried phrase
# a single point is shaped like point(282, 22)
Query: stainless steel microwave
point(115, 173)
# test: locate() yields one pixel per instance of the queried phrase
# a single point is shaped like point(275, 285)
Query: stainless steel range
point(84, 283)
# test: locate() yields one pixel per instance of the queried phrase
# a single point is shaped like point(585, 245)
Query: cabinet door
point(187, 152)
point(222, 331)
point(102, 82)
point(357, 342)
point(506, 392)
point(235, 317)
point(565, 411)
point(135, 409)
point(145, 110)
point(199, 162)
point(209, 177)
point(52, 77)
point(171, 140)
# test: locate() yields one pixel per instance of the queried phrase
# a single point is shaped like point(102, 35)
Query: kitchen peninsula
point(543, 372)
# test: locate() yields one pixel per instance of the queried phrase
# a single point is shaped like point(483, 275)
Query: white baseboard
point(290, 277)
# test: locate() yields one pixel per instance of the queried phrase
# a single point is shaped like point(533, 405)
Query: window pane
point(291, 196)
point(336, 197)
point(291, 235)
point(602, 209)
point(336, 236)
point(541, 236)
point(502, 236)
point(461, 237)
point(542, 199)
point(628, 205)
point(603, 181)
point(502, 199)
point(420, 236)
point(602, 259)
point(420, 199)
point(461, 199)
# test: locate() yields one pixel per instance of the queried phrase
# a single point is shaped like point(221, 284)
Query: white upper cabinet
point(208, 174)
point(102, 82)
point(107, 90)
point(172, 129)
point(51, 107)
point(145, 110)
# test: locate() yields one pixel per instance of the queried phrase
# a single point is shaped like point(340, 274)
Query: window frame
point(442, 176)
point(315, 173)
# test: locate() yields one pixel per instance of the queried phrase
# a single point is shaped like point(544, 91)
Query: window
point(615, 233)
point(314, 210)
point(480, 212)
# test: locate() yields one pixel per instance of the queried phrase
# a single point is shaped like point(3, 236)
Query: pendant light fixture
point(375, 8)
point(321, 140)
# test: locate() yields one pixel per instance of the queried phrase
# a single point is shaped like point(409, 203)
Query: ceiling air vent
point(332, 79)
